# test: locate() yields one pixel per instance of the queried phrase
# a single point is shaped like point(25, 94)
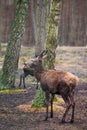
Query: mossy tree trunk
point(10, 65)
point(52, 42)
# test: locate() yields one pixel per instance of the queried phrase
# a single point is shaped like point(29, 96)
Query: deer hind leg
point(73, 107)
point(52, 98)
point(37, 85)
point(68, 105)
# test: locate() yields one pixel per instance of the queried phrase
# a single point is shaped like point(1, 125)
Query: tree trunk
point(7, 14)
point(73, 23)
point(29, 39)
point(41, 13)
point(10, 65)
point(52, 41)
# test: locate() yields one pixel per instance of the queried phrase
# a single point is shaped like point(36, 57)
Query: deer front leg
point(47, 105)
point(21, 76)
point(52, 98)
point(37, 85)
point(24, 81)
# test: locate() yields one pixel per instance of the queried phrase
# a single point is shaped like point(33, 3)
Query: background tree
point(40, 15)
point(6, 18)
point(29, 39)
point(73, 23)
point(10, 65)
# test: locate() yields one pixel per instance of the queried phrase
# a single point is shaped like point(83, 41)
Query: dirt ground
point(15, 108)
point(16, 112)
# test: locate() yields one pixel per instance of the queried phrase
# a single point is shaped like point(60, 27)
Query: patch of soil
point(16, 112)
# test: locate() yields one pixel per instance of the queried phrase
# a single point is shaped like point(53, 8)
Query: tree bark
point(73, 23)
point(10, 65)
point(29, 39)
point(40, 15)
point(7, 14)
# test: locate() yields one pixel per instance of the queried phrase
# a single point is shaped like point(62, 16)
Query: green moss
point(2, 86)
point(52, 35)
point(39, 99)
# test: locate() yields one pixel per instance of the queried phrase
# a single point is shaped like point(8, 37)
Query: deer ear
point(44, 56)
point(43, 53)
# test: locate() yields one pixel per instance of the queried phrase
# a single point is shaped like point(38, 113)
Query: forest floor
point(16, 112)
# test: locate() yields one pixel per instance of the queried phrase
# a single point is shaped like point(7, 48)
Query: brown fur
point(53, 79)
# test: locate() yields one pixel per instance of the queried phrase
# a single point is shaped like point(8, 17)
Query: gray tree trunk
point(41, 14)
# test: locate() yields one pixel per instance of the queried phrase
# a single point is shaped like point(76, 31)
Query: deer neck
point(38, 71)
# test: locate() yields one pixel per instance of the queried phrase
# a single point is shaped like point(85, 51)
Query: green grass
point(58, 61)
point(11, 91)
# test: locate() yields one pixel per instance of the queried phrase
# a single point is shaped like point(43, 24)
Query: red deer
point(26, 71)
point(55, 82)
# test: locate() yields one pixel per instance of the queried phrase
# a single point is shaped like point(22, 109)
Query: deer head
point(37, 61)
